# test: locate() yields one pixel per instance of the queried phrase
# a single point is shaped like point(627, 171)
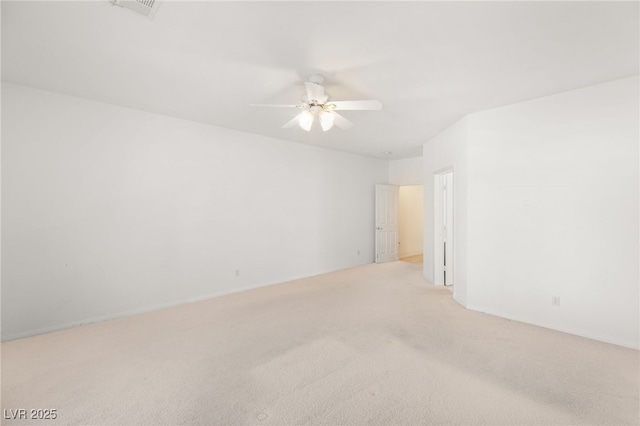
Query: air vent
point(145, 7)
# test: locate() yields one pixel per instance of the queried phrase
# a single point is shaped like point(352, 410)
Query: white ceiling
point(429, 63)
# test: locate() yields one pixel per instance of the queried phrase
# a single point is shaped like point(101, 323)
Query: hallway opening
point(410, 223)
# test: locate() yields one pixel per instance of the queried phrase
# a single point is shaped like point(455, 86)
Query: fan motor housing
point(316, 79)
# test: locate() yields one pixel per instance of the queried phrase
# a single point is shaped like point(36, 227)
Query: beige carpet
point(412, 259)
point(369, 345)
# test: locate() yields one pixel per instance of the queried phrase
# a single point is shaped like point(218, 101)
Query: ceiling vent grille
point(144, 7)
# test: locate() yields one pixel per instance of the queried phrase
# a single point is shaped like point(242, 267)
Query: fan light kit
point(315, 103)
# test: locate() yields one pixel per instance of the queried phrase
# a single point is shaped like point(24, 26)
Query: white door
point(386, 223)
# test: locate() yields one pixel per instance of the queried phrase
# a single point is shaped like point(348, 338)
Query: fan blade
point(315, 92)
point(276, 105)
point(358, 105)
point(340, 121)
point(292, 123)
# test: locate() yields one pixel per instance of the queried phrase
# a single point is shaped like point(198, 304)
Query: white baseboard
point(142, 310)
point(581, 333)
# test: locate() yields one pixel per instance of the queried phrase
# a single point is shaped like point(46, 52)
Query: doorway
point(399, 223)
point(410, 223)
point(443, 228)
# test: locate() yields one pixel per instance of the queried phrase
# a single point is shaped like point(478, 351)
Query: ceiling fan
point(315, 103)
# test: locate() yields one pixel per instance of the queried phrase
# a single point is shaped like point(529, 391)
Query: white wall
point(552, 210)
point(410, 220)
point(108, 210)
point(553, 197)
point(406, 172)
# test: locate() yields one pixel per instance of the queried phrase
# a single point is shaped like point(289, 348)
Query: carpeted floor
point(412, 259)
point(374, 344)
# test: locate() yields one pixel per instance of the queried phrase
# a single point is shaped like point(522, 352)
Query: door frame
point(438, 227)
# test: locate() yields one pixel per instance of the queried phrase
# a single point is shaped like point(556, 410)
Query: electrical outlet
point(358, 252)
point(237, 272)
point(555, 300)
